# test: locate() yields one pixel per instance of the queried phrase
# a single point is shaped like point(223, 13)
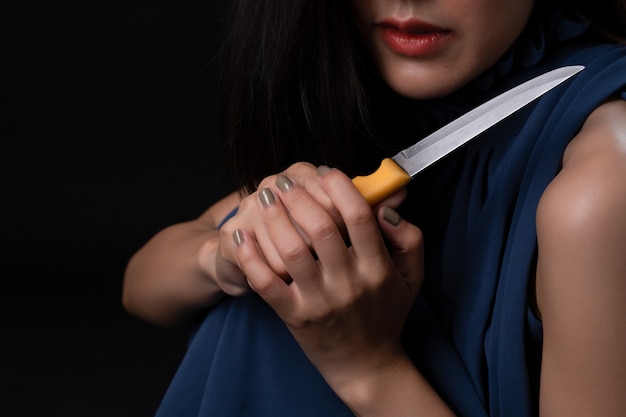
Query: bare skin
point(189, 266)
point(581, 279)
point(174, 275)
point(346, 305)
point(581, 274)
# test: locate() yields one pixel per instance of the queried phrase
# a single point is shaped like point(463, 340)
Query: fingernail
point(323, 170)
point(283, 183)
point(238, 237)
point(267, 197)
point(391, 216)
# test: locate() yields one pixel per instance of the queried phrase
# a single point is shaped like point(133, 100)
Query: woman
point(492, 286)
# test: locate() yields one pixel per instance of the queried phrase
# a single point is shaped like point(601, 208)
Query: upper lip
point(410, 26)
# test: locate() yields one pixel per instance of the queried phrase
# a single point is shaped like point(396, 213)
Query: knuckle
point(263, 284)
point(379, 272)
point(359, 215)
point(244, 257)
point(307, 317)
point(298, 195)
point(276, 264)
point(321, 229)
point(293, 252)
point(267, 182)
point(415, 240)
point(300, 168)
point(324, 313)
point(245, 206)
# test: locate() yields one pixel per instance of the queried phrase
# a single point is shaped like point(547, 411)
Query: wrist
point(395, 388)
point(219, 275)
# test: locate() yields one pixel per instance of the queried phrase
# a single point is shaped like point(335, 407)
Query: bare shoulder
point(583, 211)
point(590, 191)
point(581, 271)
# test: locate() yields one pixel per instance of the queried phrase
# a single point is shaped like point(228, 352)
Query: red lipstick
point(413, 38)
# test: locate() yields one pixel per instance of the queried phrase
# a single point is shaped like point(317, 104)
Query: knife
point(395, 172)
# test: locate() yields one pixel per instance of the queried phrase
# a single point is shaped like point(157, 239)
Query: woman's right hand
point(224, 269)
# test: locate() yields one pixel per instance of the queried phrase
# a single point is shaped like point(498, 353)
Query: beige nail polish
point(267, 197)
point(391, 216)
point(238, 237)
point(283, 183)
point(323, 170)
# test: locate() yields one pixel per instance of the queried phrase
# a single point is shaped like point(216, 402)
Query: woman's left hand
point(348, 302)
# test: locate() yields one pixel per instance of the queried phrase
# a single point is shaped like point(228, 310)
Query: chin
point(421, 88)
point(421, 82)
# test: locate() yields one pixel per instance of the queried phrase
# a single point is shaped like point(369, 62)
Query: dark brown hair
point(290, 89)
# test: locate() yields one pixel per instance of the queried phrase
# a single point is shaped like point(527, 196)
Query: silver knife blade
point(435, 146)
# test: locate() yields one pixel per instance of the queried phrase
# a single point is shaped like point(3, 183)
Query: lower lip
point(415, 44)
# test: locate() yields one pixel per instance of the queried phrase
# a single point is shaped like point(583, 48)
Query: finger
point(357, 215)
point(407, 246)
point(247, 218)
point(315, 222)
point(272, 288)
point(392, 201)
point(306, 176)
point(287, 239)
point(229, 276)
point(226, 274)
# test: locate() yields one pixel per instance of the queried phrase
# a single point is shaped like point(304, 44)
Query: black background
point(109, 134)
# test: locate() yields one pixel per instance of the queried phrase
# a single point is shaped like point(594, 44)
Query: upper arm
point(581, 273)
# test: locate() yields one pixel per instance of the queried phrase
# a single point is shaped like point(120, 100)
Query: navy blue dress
point(471, 332)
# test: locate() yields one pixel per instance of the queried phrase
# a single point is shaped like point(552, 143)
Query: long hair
point(290, 90)
point(292, 87)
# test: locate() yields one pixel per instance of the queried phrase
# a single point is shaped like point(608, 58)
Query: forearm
point(174, 275)
point(397, 389)
point(164, 282)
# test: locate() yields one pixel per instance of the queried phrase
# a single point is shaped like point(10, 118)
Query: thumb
point(393, 201)
point(407, 246)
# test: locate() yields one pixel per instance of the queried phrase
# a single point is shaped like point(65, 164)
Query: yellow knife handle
point(387, 179)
